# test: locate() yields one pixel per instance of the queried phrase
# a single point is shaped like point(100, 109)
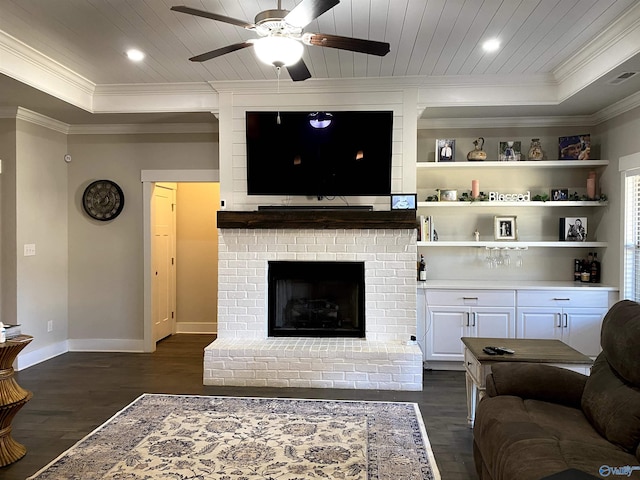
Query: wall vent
point(623, 77)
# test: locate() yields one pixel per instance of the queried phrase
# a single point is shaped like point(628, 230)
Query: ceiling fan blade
point(307, 11)
point(299, 71)
point(220, 51)
point(213, 16)
point(347, 43)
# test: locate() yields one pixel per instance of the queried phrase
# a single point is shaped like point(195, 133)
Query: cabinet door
point(581, 329)
point(498, 322)
point(539, 322)
point(445, 326)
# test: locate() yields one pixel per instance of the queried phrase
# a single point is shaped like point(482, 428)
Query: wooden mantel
point(318, 219)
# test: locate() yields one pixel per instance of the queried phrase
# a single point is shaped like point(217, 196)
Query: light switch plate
point(29, 249)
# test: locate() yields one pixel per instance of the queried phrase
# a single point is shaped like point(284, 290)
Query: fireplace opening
point(316, 299)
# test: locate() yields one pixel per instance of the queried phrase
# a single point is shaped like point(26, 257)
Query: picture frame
point(559, 194)
point(573, 229)
point(574, 147)
point(510, 151)
point(445, 150)
point(505, 227)
point(404, 201)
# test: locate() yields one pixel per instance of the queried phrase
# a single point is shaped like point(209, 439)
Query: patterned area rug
point(176, 437)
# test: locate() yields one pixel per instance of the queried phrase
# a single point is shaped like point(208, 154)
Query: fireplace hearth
point(316, 299)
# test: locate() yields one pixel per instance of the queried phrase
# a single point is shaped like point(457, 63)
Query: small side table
point(477, 364)
point(12, 398)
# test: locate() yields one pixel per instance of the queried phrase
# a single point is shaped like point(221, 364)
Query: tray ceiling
point(433, 43)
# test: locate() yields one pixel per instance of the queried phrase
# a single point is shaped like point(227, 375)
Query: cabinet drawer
point(562, 298)
point(472, 298)
point(473, 367)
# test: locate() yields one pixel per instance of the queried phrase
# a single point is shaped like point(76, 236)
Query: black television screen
point(340, 153)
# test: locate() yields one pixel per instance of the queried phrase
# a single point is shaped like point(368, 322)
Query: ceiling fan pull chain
point(278, 69)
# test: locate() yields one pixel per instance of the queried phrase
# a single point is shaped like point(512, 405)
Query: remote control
point(489, 351)
point(498, 350)
point(506, 350)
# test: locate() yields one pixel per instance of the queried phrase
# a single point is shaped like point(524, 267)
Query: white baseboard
point(29, 359)
point(106, 345)
point(196, 327)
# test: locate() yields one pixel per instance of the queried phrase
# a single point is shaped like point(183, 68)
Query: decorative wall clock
point(103, 200)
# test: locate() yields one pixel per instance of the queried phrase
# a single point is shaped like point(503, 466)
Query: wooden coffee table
point(477, 364)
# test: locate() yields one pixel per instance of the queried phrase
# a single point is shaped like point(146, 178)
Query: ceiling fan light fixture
point(276, 50)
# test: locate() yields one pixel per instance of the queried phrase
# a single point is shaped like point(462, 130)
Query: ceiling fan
point(281, 36)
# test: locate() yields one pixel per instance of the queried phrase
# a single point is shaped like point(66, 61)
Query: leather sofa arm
point(536, 381)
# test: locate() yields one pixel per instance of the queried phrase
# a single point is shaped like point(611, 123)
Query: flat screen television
point(338, 153)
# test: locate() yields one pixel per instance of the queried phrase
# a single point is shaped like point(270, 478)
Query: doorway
point(149, 179)
point(163, 255)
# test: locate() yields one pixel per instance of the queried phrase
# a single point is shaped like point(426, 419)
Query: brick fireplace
point(245, 355)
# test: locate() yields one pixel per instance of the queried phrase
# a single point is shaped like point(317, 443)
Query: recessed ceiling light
point(135, 55)
point(491, 45)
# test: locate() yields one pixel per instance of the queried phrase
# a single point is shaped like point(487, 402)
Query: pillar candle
point(475, 188)
point(591, 186)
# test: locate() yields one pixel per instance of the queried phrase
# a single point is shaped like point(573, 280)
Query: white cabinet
point(573, 317)
point(452, 314)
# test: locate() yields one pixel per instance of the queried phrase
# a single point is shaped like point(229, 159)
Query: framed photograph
point(574, 147)
point(404, 201)
point(510, 151)
point(559, 194)
point(505, 228)
point(573, 229)
point(445, 150)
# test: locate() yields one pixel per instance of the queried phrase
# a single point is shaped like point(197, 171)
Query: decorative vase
point(477, 154)
point(535, 150)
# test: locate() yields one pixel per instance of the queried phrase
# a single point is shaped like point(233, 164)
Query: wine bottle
point(422, 269)
point(577, 269)
point(595, 269)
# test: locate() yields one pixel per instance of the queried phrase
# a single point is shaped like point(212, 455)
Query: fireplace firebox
point(316, 299)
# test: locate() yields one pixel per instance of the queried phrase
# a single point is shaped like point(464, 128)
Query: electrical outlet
point(50, 326)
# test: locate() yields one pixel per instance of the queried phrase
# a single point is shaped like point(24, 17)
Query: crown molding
point(318, 85)
point(42, 120)
point(155, 98)
point(618, 108)
point(139, 129)
point(616, 44)
point(504, 122)
point(29, 66)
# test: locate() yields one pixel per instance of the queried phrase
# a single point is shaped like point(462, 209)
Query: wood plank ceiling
point(427, 37)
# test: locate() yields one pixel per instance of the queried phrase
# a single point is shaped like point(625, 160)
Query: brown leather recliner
point(538, 420)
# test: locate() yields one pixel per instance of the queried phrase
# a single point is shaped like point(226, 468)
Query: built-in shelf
point(523, 164)
point(499, 204)
point(519, 244)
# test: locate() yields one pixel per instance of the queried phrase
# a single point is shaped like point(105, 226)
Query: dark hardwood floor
point(76, 392)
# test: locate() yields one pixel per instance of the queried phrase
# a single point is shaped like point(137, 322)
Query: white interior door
point(163, 289)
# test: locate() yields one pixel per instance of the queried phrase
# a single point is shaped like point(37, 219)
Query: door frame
point(148, 178)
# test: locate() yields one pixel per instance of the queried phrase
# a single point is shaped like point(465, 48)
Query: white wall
point(8, 221)
point(106, 298)
point(37, 284)
point(619, 136)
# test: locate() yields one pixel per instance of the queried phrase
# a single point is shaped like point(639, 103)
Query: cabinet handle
point(468, 315)
point(562, 299)
point(469, 298)
point(475, 314)
point(566, 322)
point(559, 320)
